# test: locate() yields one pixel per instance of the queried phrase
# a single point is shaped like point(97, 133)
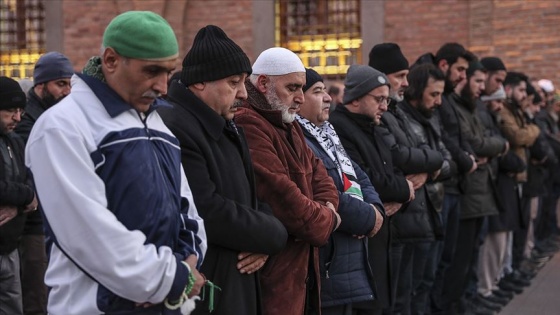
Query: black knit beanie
point(311, 77)
point(387, 58)
point(11, 94)
point(493, 63)
point(213, 56)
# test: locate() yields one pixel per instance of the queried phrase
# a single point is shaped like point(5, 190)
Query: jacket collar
point(35, 106)
point(257, 101)
point(413, 112)
point(362, 121)
point(113, 103)
point(184, 98)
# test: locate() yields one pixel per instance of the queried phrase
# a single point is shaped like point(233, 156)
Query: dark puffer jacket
point(15, 189)
point(427, 131)
point(346, 275)
point(34, 108)
point(504, 169)
point(417, 220)
point(479, 190)
point(454, 141)
point(367, 148)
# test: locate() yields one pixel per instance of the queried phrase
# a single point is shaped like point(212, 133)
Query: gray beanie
point(52, 66)
point(361, 79)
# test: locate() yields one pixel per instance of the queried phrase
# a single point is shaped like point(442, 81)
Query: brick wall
point(234, 17)
point(423, 26)
point(85, 21)
point(525, 34)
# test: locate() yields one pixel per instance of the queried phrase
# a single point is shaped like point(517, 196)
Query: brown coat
point(296, 185)
point(518, 132)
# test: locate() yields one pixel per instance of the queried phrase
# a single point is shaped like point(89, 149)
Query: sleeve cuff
point(180, 282)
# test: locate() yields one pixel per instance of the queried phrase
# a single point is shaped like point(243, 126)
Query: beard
point(48, 99)
point(396, 96)
point(517, 102)
point(276, 104)
point(3, 128)
point(426, 112)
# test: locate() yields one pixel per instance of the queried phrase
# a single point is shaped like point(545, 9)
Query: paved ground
point(542, 297)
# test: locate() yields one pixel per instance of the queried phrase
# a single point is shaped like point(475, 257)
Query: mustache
point(237, 103)
point(151, 94)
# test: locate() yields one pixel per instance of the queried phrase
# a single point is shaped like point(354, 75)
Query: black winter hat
point(213, 56)
point(11, 94)
point(311, 77)
point(387, 58)
point(493, 63)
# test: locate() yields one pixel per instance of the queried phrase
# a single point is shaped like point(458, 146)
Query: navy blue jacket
point(346, 275)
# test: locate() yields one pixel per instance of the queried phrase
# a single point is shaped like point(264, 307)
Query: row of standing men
point(379, 206)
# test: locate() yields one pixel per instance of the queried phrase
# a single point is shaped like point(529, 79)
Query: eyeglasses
point(380, 99)
point(14, 111)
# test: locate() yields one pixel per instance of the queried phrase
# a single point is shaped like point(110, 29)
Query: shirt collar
point(113, 102)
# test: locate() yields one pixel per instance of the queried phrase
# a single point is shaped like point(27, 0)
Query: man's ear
point(263, 83)
point(353, 106)
point(508, 89)
point(39, 88)
point(198, 86)
point(110, 60)
point(443, 65)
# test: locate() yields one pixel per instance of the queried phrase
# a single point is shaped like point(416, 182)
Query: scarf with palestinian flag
point(329, 141)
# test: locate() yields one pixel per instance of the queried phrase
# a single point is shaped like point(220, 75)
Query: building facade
point(329, 35)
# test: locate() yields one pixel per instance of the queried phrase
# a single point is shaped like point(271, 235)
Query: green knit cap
point(141, 35)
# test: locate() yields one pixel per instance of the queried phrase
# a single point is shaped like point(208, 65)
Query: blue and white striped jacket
point(119, 213)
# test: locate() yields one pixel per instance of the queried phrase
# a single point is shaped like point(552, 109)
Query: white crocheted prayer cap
point(546, 85)
point(277, 61)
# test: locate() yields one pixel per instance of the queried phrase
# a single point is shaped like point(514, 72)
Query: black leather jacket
point(15, 189)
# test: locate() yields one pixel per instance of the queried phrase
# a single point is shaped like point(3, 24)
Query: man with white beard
point(290, 179)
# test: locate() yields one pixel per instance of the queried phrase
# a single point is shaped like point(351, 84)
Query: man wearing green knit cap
point(148, 36)
point(124, 235)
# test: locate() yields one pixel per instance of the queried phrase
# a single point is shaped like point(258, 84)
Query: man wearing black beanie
point(241, 231)
point(17, 196)
point(389, 59)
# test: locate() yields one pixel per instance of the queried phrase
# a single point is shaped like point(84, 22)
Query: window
point(326, 34)
point(22, 36)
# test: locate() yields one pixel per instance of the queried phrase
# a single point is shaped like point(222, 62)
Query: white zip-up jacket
point(119, 213)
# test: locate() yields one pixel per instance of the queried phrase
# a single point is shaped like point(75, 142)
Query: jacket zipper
point(15, 167)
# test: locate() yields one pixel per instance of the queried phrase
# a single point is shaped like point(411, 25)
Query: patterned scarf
point(329, 141)
point(93, 68)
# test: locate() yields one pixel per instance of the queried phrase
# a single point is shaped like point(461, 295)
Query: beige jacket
point(518, 132)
